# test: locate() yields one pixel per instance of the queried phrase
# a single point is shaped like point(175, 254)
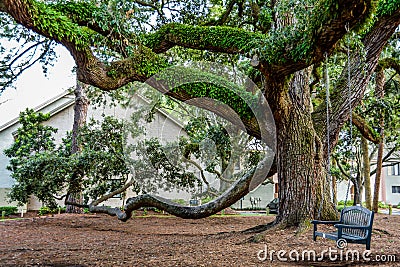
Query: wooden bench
point(355, 226)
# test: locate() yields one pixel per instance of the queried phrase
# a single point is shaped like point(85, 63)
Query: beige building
point(163, 126)
point(61, 109)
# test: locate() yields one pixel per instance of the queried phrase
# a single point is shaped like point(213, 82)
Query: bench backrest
point(357, 215)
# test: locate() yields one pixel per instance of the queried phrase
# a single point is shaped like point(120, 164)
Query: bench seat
point(355, 226)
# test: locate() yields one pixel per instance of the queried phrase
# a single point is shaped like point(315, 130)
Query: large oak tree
point(287, 40)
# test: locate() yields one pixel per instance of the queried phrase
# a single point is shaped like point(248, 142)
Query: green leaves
point(42, 168)
point(387, 7)
point(58, 26)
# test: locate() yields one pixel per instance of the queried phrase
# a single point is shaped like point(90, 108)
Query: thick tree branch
point(216, 39)
point(365, 129)
point(239, 189)
point(326, 27)
point(390, 63)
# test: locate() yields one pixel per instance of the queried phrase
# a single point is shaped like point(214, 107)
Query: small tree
point(32, 159)
point(44, 169)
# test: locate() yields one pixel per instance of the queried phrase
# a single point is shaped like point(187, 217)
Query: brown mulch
point(160, 240)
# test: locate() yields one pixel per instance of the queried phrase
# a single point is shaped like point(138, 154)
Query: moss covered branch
point(365, 129)
point(212, 38)
point(341, 100)
point(389, 63)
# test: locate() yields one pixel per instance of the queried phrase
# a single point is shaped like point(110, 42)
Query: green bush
point(349, 203)
point(382, 205)
point(340, 207)
point(9, 210)
point(46, 210)
point(206, 200)
point(250, 208)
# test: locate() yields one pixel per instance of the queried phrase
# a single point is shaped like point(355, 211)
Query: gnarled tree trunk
point(301, 172)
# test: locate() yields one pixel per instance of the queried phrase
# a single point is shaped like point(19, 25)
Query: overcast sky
point(33, 88)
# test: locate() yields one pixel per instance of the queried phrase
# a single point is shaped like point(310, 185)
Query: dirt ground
point(160, 240)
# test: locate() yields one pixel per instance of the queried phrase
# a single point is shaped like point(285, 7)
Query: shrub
point(340, 207)
point(349, 203)
point(9, 210)
point(383, 205)
point(206, 200)
point(46, 210)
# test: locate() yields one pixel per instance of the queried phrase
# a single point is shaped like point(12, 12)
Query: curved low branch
point(239, 189)
point(110, 195)
point(365, 129)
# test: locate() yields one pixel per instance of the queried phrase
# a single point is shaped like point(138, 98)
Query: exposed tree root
point(381, 231)
point(262, 231)
point(259, 228)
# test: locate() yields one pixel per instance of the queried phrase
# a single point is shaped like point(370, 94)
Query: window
point(396, 189)
point(394, 170)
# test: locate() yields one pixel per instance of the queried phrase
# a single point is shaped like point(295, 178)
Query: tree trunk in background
point(379, 92)
point(366, 173)
point(357, 190)
point(80, 114)
point(378, 176)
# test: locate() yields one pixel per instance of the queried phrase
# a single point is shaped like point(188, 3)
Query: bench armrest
point(325, 222)
point(351, 226)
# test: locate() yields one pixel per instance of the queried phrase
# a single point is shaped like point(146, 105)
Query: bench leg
point(368, 245)
point(314, 236)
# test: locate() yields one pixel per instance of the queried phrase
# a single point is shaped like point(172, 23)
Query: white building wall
point(392, 180)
